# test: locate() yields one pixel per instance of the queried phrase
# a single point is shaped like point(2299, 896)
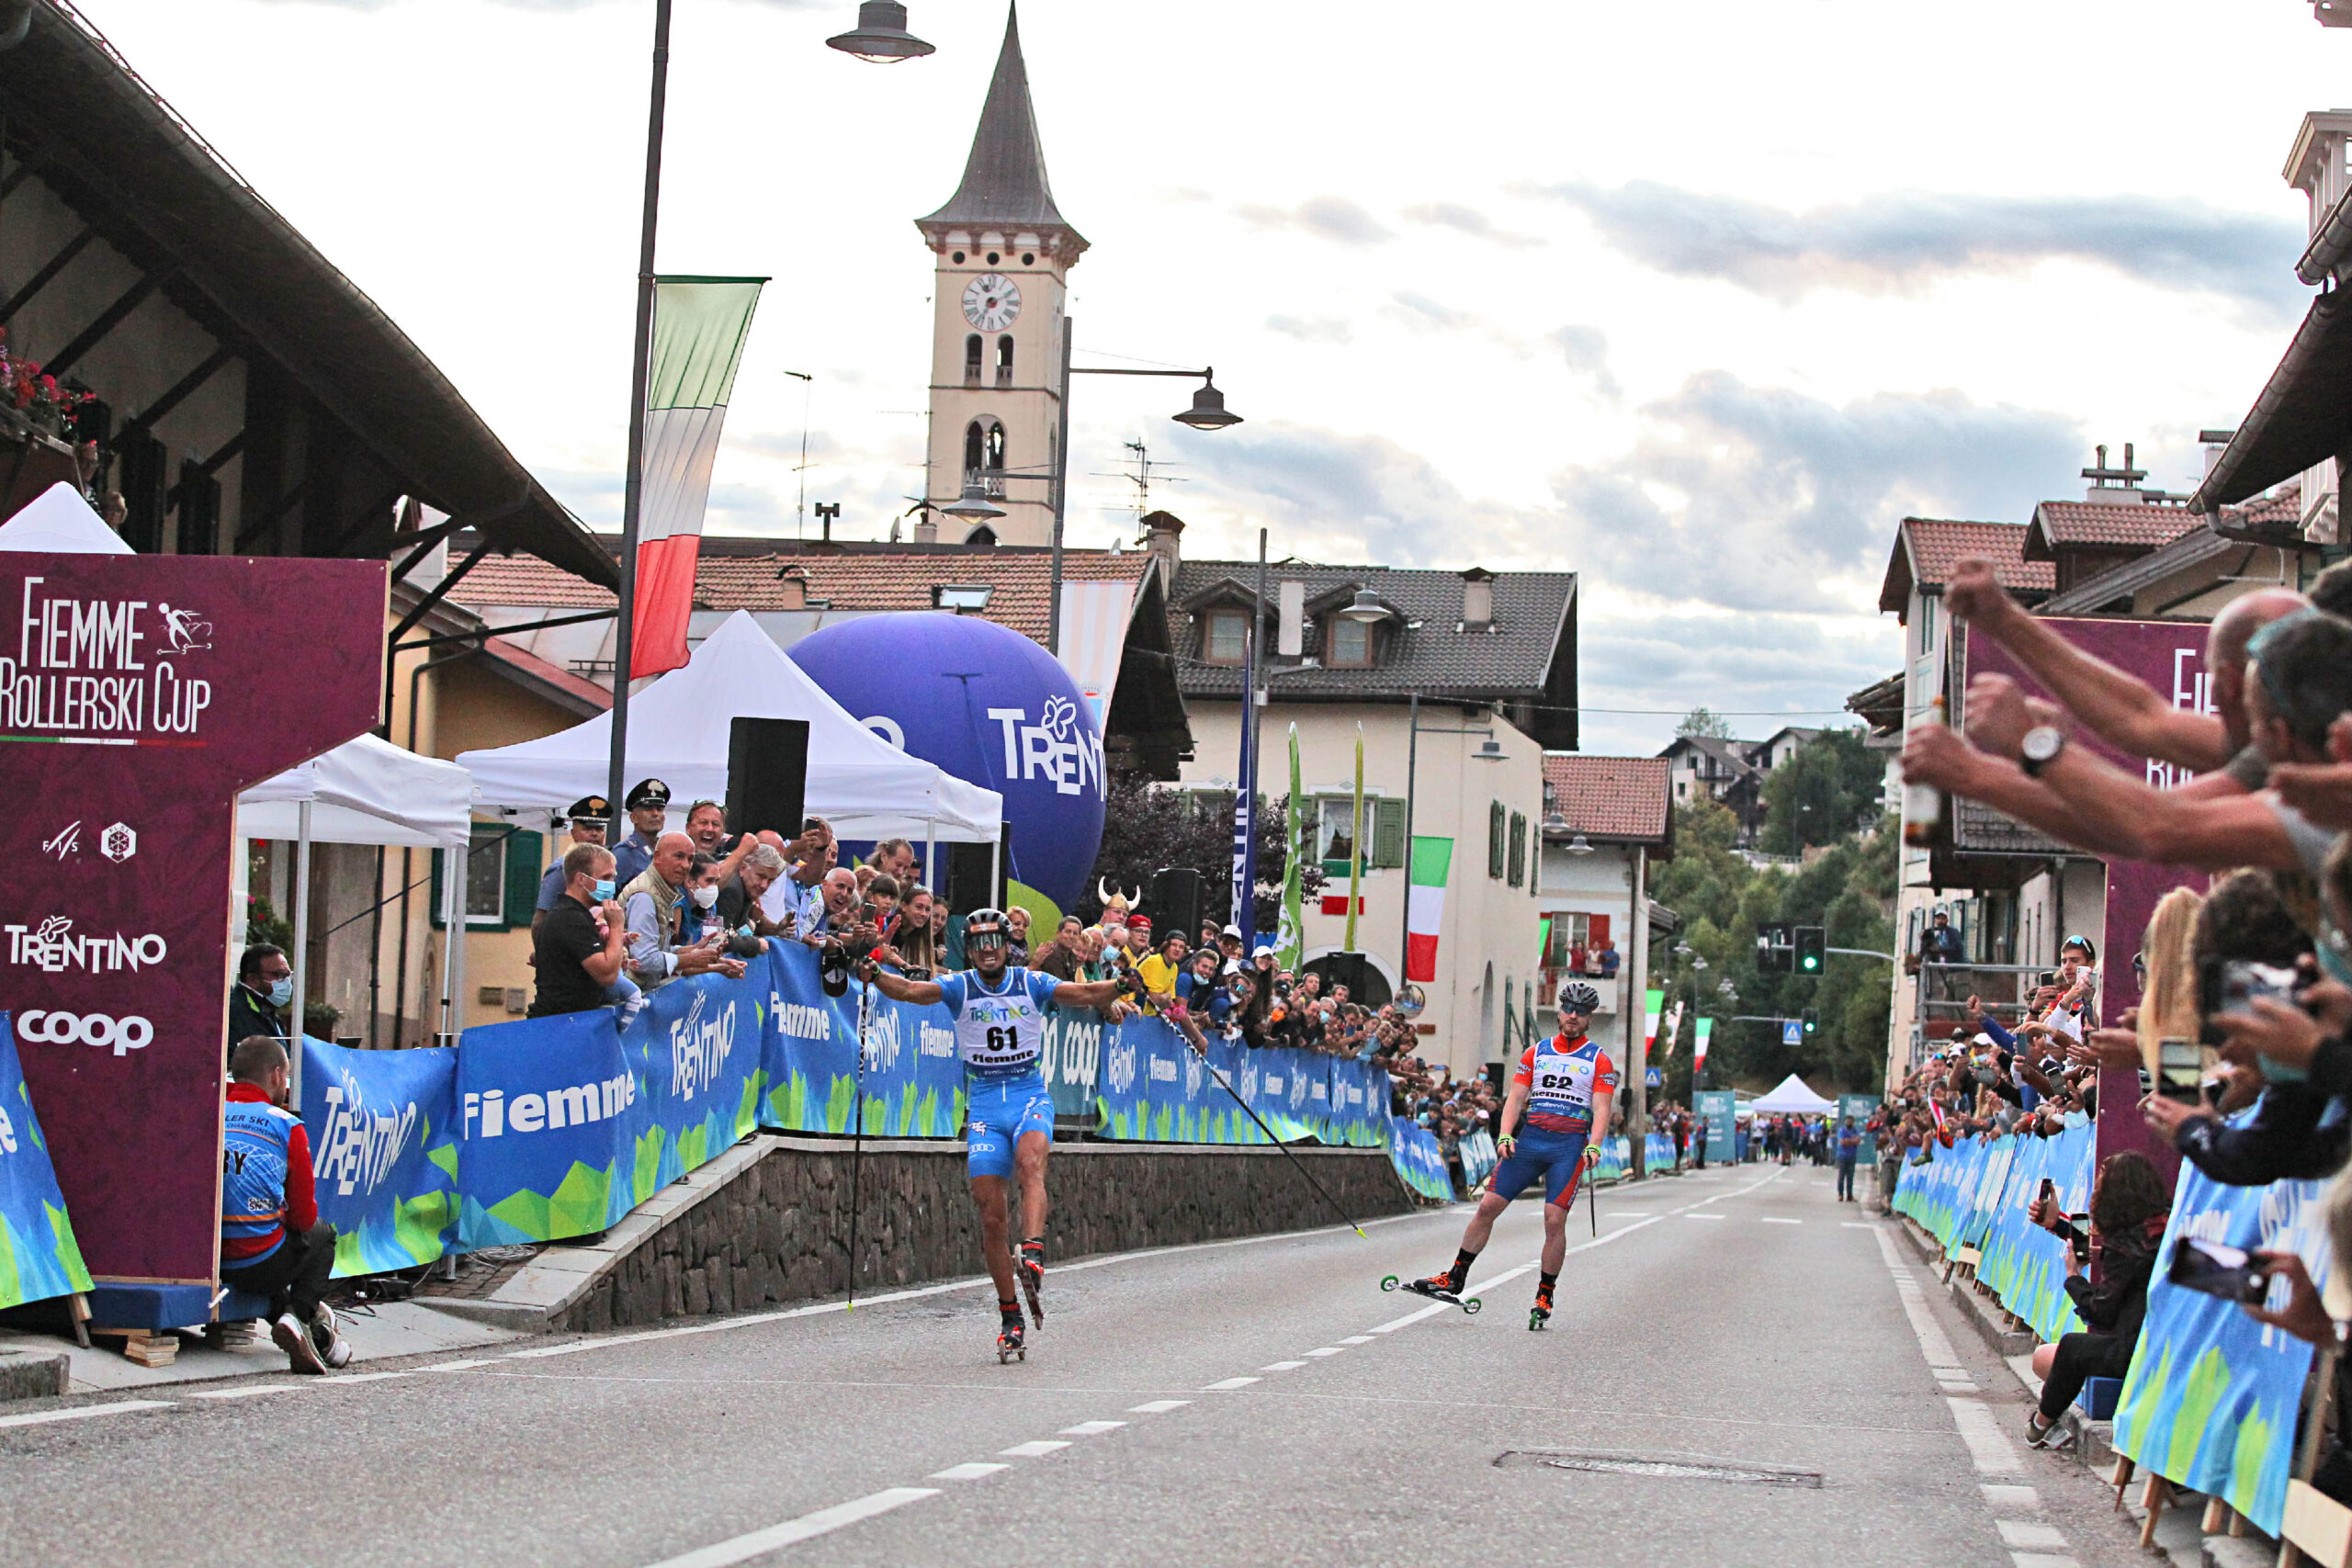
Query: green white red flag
point(1431, 859)
point(699, 328)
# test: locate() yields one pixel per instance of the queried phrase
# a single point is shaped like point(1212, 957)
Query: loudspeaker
point(1343, 969)
point(767, 773)
point(969, 885)
point(1175, 904)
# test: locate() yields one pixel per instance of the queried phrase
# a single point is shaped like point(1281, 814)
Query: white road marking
point(1703, 1216)
point(83, 1411)
point(2043, 1559)
point(966, 1472)
point(1037, 1450)
point(1989, 1448)
point(337, 1379)
point(1393, 1324)
point(823, 1521)
point(1282, 1367)
point(1777, 1220)
point(1357, 1340)
point(456, 1365)
point(1091, 1428)
point(2026, 1535)
point(1228, 1384)
point(1856, 1225)
point(1157, 1407)
point(1328, 1350)
point(241, 1392)
point(2000, 1496)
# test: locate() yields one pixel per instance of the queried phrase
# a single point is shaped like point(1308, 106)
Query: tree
point(1146, 827)
point(1706, 722)
point(1829, 787)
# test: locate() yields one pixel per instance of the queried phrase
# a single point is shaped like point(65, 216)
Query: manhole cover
point(1655, 1469)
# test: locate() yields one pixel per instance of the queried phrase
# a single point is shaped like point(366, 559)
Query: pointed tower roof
point(1004, 180)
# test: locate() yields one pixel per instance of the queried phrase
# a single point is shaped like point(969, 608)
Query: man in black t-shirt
point(578, 964)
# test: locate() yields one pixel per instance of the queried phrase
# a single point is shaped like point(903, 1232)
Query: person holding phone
point(2129, 1209)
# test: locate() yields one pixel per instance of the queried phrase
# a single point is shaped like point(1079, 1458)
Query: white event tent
point(678, 732)
point(1790, 1097)
point(366, 791)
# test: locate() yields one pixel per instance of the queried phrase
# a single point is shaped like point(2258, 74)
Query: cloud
point(1312, 329)
point(1907, 239)
point(1585, 349)
point(1764, 499)
point(1467, 221)
point(1333, 217)
point(1425, 311)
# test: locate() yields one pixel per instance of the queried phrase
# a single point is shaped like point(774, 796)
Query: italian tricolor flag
point(699, 325)
point(1706, 1026)
point(1425, 905)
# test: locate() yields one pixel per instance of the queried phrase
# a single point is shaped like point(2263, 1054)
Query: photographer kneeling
point(2129, 1208)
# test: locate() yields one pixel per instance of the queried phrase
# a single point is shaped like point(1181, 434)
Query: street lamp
point(1208, 411)
point(881, 35)
point(974, 504)
point(1365, 607)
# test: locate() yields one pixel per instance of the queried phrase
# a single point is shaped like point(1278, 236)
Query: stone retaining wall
point(774, 1228)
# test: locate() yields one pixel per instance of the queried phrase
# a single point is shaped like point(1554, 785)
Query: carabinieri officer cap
point(648, 793)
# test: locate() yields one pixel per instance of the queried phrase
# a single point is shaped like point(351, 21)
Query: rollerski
point(1029, 1263)
point(1010, 1345)
point(1438, 1287)
point(1540, 1312)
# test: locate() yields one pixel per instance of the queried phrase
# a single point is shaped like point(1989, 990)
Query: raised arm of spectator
point(2125, 710)
point(605, 967)
point(2124, 814)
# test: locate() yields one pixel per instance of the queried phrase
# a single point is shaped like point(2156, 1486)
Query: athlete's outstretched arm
point(897, 987)
point(1086, 994)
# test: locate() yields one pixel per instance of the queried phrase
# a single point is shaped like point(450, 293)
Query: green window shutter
point(524, 854)
point(1387, 833)
point(433, 906)
point(1518, 849)
point(1494, 819)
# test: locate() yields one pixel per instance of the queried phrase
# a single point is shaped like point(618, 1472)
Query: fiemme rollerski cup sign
point(138, 696)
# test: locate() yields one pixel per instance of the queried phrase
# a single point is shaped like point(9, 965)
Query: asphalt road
point(1786, 1388)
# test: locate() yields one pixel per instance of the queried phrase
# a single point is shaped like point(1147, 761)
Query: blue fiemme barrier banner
point(1616, 1159)
point(914, 1085)
point(39, 1258)
point(383, 1152)
point(2023, 1265)
point(2211, 1401)
point(1419, 1161)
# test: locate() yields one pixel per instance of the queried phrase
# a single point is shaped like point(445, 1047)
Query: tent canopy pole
point(301, 949)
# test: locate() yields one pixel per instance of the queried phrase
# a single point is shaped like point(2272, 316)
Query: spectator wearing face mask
point(264, 988)
point(651, 910)
point(576, 950)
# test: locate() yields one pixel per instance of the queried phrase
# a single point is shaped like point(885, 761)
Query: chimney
point(1290, 629)
point(792, 589)
point(1477, 599)
point(2113, 487)
point(2215, 443)
point(926, 530)
point(1164, 532)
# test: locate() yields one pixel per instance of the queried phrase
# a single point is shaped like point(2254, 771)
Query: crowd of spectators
point(2236, 1056)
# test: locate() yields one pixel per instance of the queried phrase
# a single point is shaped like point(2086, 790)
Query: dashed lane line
point(85, 1412)
point(966, 1472)
point(1037, 1450)
point(742, 1548)
point(1091, 1428)
point(1157, 1407)
point(1282, 1367)
point(1225, 1385)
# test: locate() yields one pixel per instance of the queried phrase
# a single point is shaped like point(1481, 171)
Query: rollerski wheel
point(1390, 1282)
point(1537, 1318)
point(1009, 1346)
point(1469, 1305)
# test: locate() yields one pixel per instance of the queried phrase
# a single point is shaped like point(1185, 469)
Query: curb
point(28, 1375)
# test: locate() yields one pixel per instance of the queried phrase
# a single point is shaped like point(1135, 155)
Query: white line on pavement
point(1037, 1450)
point(1328, 1350)
point(241, 1392)
point(1357, 1340)
point(1989, 1448)
point(1702, 1217)
point(83, 1411)
point(966, 1472)
point(1157, 1407)
point(2025, 1535)
point(2043, 1559)
point(1091, 1428)
point(822, 1522)
point(1777, 1220)
point(1281, 1366)
point(458, 1366)
point(1393, 1324)
point(1228, 1385)
point(2004, 1496)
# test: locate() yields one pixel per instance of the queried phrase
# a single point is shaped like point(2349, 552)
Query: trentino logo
point(1056, 749)
point(1297, 1089)
point(1195, 1071)
point(360, 1147)
point(52, 947)
point(699, 1045)
point(1121, 1067)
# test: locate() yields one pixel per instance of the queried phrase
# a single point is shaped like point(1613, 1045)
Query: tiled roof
point(1511, 658)
point(1932, 547)
point(1609, 797)
point(748, 574)
point(2059, 524)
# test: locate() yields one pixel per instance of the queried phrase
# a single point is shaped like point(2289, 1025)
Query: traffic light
point(1812, 1020)
point(1772, 951)
point(1812, 947)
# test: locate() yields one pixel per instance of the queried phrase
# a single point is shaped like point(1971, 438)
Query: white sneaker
point(328, 1341)
point(290, 1337)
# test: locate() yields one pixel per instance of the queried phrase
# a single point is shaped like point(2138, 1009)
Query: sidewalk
point(376, 1334)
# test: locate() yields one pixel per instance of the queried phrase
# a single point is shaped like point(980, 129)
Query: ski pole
point(857, 1138)
point(1592, 1208)
point(1194, 1040)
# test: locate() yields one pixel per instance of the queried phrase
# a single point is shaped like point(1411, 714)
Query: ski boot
point(1029, 1263)
point(1437, 1287)
point(1540, 1312)
point(1009, 1341)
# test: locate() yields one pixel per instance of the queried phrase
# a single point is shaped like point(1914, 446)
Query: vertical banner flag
point(39, 1258)
point(1355, 848)
point(1290, 940)
point(1425, 905)
point(699, 326)
point(1668, 1034)
point(1706, 1027)
point(1654, 1003)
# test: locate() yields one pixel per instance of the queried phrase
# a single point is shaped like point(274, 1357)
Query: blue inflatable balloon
point(990, 706)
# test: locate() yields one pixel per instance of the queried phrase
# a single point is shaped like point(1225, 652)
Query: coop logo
point(121, 1035)
point(700, 1043)
point(1080, 1048)
point(360, 1146)
point(801, 1021)
point(933, 1040)
point(1056, 749)
point(1121, 1067)
point(52, 948)
point(491, 1115)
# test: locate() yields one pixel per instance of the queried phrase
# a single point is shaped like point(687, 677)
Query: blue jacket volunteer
point(272, 1243)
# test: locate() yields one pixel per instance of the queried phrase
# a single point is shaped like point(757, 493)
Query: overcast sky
point(1695, 299)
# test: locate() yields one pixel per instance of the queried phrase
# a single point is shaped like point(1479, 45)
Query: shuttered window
point(1498, 827)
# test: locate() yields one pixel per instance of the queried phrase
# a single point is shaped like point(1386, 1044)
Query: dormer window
point(1347, 645)
point(1225, 638)
point(961, 596)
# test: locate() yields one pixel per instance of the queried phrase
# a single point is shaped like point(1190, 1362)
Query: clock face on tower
point(991, 301)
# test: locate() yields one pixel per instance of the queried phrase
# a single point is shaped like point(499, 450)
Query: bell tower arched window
point(984, 453)
point(972, 360)
point(1004, 360)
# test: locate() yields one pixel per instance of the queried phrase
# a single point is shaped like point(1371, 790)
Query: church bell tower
point(1004, 254)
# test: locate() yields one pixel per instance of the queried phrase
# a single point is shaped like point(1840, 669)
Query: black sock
point(1549, 1281)
point(1008, 1311)
point(1460, 1273)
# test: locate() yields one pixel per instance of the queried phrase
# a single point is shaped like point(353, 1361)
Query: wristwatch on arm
point(2041, 748)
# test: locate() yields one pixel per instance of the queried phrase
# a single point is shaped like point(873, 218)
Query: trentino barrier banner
point(38, 1255)
point(1419, 1161)
point(2023, 1265)
point(383, 1129)
point(2210, 1400)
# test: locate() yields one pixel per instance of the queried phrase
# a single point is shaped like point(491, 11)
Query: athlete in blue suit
point(1000, 1015)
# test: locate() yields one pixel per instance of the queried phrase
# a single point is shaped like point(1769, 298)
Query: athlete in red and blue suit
point(1565, 1085)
